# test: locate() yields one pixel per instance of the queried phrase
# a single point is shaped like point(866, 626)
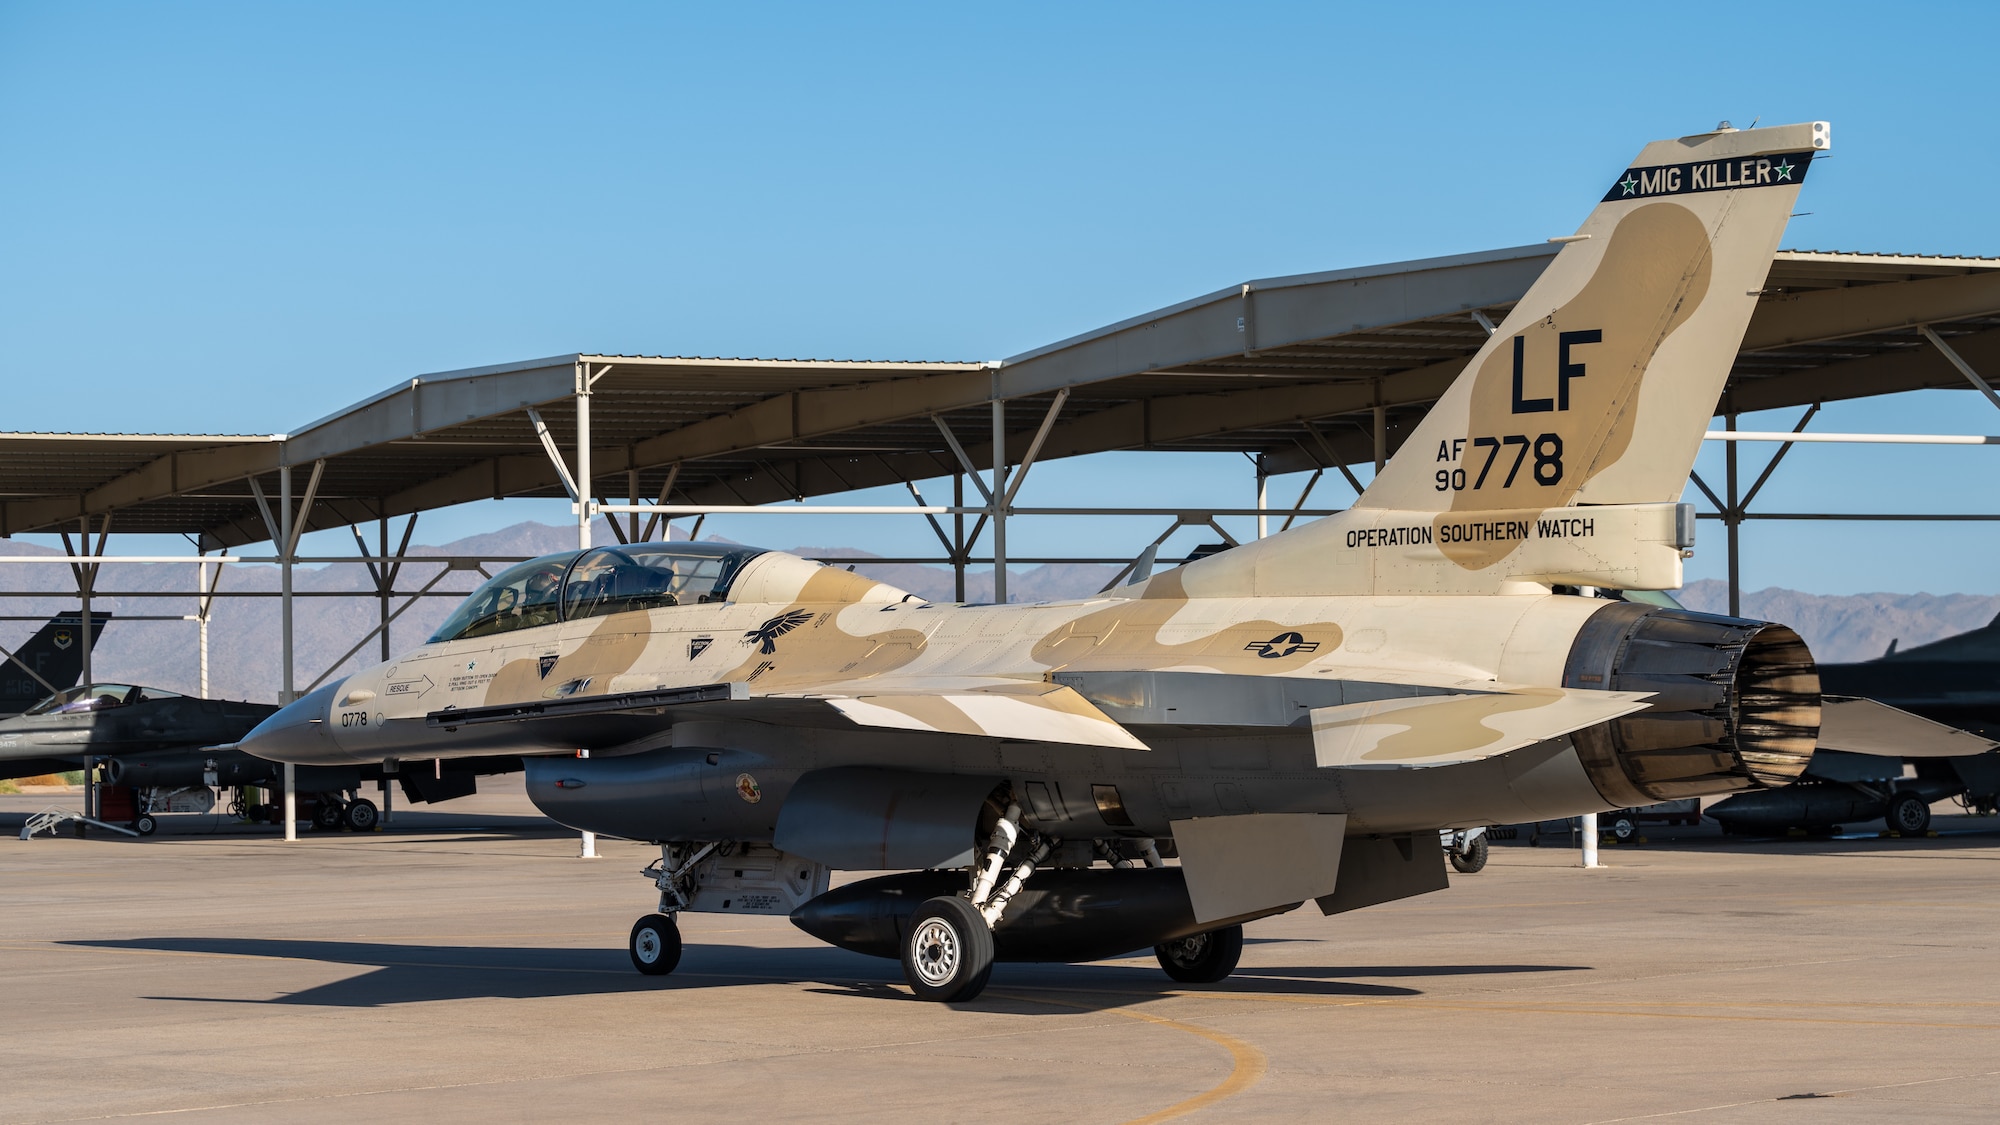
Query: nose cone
point(298, 732)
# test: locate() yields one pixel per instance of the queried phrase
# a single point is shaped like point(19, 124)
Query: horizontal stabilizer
point(1443, 730)
point(1863, 726)
point(1024, 710)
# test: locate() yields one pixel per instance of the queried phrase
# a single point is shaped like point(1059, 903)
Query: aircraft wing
point(1863, 726)
point(1443, 730)
point(990, 707)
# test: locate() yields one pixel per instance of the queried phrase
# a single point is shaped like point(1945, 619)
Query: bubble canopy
point(597, 582)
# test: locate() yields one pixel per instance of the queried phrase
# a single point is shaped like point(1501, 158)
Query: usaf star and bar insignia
point(1282, 645)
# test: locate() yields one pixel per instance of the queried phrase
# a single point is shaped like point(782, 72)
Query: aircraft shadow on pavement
point(412, 974)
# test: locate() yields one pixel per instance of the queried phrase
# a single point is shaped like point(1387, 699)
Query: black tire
point(145, 825)
point(1624, 828)
point(1473, 859)
point(1909, 815)
point(1203, 958)
point(326, 815)
point(361, 815)
point(947, 951)
point(655, 945)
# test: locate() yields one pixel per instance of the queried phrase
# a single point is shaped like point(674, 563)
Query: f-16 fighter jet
point(170, 750)
point(1294, 719)
point(1934, 708)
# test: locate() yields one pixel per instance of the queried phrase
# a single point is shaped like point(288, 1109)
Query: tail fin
point(50, 661)
point(1597, 387)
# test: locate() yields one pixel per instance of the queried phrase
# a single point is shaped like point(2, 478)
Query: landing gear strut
point(947, 953)
point(655, 943)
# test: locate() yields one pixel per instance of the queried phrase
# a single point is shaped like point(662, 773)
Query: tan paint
point(1654, 274)
point(1125, 636)
point(933, 712)
point(821, 648)
point(1448, 728)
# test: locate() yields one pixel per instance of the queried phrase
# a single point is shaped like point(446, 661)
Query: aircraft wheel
point(361, 815)
point(1624, 827)
point(145, 825)
point(327, 815)
point(1205, 958)
point(948, 952)
point(655, 945)
point(1473, 859)
point(1909, 814)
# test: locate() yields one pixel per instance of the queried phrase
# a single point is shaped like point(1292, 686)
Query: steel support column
point(1381, 426)
point(205, 581)
point(86, 579)
point(285, 692)
point(998, 502)
point(958, 535)
point(1732, 515)
point(1263, 494)
point(588, 848)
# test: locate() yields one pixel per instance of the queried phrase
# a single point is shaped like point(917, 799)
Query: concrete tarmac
point(466, 965)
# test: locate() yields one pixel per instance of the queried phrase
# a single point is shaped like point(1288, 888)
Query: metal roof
point(1283, 368)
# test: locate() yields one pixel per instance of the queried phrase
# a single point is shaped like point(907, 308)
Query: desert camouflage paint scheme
point(1426, 659)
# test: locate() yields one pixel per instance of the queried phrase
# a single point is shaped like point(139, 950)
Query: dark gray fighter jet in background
point(49, 661)
point(164, 752)
point(1858, 772)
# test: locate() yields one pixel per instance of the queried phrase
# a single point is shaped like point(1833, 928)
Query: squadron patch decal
point(748, 789)
point(768, 633)
point(544, 663)
point(62, 639)
point(698, 645)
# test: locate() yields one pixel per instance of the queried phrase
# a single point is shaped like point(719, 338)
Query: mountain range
point(244, 631)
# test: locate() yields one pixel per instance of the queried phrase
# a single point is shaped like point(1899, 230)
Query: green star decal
point(1629, 184)
point(1785, 170)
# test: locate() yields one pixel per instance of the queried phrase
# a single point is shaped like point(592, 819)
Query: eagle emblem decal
point(768, 633)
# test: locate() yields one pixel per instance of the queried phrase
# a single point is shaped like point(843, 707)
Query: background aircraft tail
point(55, 653)
point(1597, 387)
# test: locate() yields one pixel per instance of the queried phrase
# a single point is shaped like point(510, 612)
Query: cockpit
point(97, 697)
point(597, 582)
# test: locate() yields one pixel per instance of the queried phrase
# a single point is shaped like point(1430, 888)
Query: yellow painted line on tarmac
point(1248, 1063)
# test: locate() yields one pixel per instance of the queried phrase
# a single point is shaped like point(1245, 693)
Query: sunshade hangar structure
point(1311, 372)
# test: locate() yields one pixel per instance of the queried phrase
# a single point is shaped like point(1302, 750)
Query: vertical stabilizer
point(1597, 387)
point(55, 654)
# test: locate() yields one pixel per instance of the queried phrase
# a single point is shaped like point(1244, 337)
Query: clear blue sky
point(238, 217)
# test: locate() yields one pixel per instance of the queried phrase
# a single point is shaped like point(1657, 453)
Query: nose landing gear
point(655, 945)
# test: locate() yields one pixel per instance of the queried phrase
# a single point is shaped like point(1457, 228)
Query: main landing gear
point(331, 814)
point(948, 950)
point(1203, 958)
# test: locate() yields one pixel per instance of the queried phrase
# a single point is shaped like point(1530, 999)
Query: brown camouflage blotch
point(1636, 304)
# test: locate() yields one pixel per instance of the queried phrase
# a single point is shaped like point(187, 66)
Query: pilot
point(590, 586)
point(539, 607)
